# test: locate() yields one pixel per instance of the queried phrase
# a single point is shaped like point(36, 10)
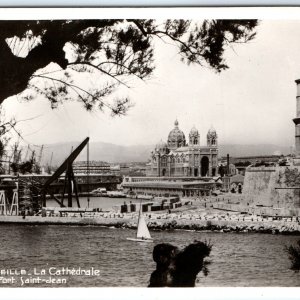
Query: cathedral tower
point(194, 137)
point(212, 138)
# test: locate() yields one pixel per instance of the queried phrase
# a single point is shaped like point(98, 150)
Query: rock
point(175, 268)
point(294, 256)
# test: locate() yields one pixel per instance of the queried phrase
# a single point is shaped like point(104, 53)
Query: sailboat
point(143, 234)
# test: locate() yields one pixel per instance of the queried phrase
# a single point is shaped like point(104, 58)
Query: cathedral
point(177, 158)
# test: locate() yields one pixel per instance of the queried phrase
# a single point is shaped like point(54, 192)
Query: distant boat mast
point(88, 172)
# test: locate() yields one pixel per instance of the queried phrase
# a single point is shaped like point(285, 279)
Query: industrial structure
point(32, 190)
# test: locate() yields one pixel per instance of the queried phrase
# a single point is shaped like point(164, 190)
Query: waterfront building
point(179, 157)
point(233, 184)
point(133, 169)
point(95, 167)
point(170, 186)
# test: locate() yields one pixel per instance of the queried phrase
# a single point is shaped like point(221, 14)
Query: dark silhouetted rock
point(175, 268)
point(294, 256)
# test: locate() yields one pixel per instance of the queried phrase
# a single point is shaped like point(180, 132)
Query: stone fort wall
point(272, 187)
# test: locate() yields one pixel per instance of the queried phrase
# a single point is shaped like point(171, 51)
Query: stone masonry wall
point(272, 186)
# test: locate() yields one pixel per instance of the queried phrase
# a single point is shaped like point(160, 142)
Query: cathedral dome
point(176, 137)
point(161, 145)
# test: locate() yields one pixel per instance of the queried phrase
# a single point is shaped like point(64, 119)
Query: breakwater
point(228, 226)
point(286, 226)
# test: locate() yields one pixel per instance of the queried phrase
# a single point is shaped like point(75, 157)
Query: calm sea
point(236, 259)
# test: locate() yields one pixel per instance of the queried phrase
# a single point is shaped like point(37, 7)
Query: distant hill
point(98, 151)
point(139, 153)
point(253, 150)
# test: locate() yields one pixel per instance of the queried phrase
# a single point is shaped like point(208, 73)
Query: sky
point(253, 102)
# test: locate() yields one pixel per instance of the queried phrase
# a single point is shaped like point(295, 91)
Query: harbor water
point(237, 259)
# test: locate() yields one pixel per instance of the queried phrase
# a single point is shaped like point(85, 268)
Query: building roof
point(161, 145)
point(167, 184)
point(182, 149)
point(237, 178)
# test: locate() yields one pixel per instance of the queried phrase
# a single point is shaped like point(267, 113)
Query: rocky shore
point(228, 226)
point(197, 222)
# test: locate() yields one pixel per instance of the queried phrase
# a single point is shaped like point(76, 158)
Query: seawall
point(265, 226)
point(274, 190)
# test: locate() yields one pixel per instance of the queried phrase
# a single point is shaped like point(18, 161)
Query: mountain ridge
point(113, 153)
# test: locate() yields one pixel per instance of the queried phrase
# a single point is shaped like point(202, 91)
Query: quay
point(188, 218)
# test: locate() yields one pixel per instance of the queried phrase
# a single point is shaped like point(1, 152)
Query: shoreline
point(222, 226)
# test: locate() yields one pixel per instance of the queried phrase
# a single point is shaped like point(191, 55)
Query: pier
point(196, 215)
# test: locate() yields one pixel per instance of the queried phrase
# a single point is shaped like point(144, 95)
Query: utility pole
point(50, 164)
point(40, 155)
point(88, 172)
point(26, 154)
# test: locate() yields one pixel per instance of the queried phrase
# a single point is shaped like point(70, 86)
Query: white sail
point(142, 231)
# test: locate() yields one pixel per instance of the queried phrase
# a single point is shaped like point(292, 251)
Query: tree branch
point(74, 87)
point(100, 70)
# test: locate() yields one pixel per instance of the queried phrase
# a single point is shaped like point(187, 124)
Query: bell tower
point(212, 137)
point(194, 137)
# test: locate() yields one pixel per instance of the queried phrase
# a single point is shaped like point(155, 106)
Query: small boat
point(99, 192)
point(144, 197)
point(116, 194)
point(143, 234)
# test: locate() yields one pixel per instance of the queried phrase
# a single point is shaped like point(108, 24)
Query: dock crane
point(16, 153)
point(70, 180)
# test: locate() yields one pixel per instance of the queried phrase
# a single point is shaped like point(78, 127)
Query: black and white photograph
point(142, 149)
